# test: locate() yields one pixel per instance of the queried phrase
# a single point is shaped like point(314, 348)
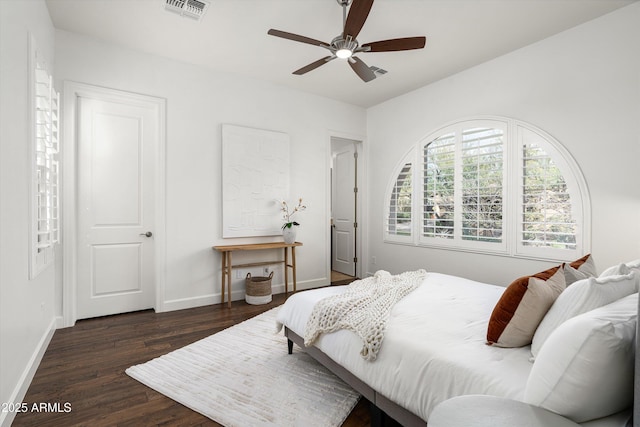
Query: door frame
point(361, 215)
point(71, 92)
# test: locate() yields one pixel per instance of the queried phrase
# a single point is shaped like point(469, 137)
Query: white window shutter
point(546, 220)
point(45, 167)
point(482, 184)
point(439, 187)
point(399, 218)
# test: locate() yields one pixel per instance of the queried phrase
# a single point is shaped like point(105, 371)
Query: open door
point(344, 201)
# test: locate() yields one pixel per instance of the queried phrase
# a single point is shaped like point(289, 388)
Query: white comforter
point(434, 347)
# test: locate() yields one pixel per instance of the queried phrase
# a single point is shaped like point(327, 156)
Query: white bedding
point(434, 347)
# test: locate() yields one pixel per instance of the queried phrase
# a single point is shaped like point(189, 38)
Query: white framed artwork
point(255, 177)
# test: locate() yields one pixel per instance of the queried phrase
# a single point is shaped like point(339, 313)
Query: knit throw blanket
point(363, 308)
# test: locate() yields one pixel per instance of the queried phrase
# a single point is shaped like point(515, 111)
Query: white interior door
point(344, 209)
point(117, 149)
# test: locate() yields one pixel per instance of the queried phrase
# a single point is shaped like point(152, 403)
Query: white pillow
point(580, 297)
point(616, 270)
point(585, 369)
point(634, 265)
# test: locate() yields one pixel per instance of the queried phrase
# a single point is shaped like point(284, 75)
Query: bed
point(435, 347)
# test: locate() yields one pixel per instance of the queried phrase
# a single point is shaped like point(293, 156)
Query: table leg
point(224, 276)
point(293, 266)
point(229, 276)
point(286, 270)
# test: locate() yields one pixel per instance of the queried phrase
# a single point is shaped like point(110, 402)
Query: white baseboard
point(236, 295)
point(312, 284)
point(59, 322)
point(20, 391)
point(192, 302)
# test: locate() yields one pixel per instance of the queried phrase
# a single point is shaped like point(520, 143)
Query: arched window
point(491, 185)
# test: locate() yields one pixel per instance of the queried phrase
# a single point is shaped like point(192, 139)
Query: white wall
point(26, 306)
point(198, 102)
point(581, 86)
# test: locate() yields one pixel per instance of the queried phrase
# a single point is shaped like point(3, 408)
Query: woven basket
point(258, 289)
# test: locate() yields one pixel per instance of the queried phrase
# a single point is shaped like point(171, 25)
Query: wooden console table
point(227, 250)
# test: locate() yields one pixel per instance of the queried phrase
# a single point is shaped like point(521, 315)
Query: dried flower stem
point(287, 214)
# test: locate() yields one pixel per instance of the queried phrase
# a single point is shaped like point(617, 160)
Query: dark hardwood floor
point(82, 377)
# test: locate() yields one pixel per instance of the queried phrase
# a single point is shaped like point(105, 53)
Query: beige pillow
point(522, 306)
point(582, 268)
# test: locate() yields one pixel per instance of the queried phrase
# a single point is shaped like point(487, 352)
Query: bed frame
point(380, 405)
point(635, 421)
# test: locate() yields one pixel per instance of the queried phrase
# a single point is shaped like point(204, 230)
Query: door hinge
point(355, 155)
point(355, 189)
point(355, 259)
point(355, 225)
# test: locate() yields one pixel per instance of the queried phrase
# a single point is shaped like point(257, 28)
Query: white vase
point(289, 234)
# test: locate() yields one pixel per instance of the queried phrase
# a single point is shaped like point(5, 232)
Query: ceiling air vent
point(379, 71)
point(194, 9)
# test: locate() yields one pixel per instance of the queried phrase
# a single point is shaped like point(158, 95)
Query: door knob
point(148, 234)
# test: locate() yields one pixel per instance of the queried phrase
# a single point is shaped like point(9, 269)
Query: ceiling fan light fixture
point(344, 53)
point(344, 48)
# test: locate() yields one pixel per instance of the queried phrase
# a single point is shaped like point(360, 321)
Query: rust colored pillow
point(522, 307)
point(582, 262)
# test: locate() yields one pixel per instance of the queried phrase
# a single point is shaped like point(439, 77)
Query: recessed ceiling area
point(232, 36)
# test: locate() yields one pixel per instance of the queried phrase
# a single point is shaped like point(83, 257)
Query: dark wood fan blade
point(296, 37)
point(392, 45)
point(356, 18)
point(361, 69)
point(313, 65)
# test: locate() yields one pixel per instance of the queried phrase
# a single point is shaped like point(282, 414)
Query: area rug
point(243, 376)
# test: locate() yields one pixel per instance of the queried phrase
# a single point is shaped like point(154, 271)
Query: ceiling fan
point(345, 45)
